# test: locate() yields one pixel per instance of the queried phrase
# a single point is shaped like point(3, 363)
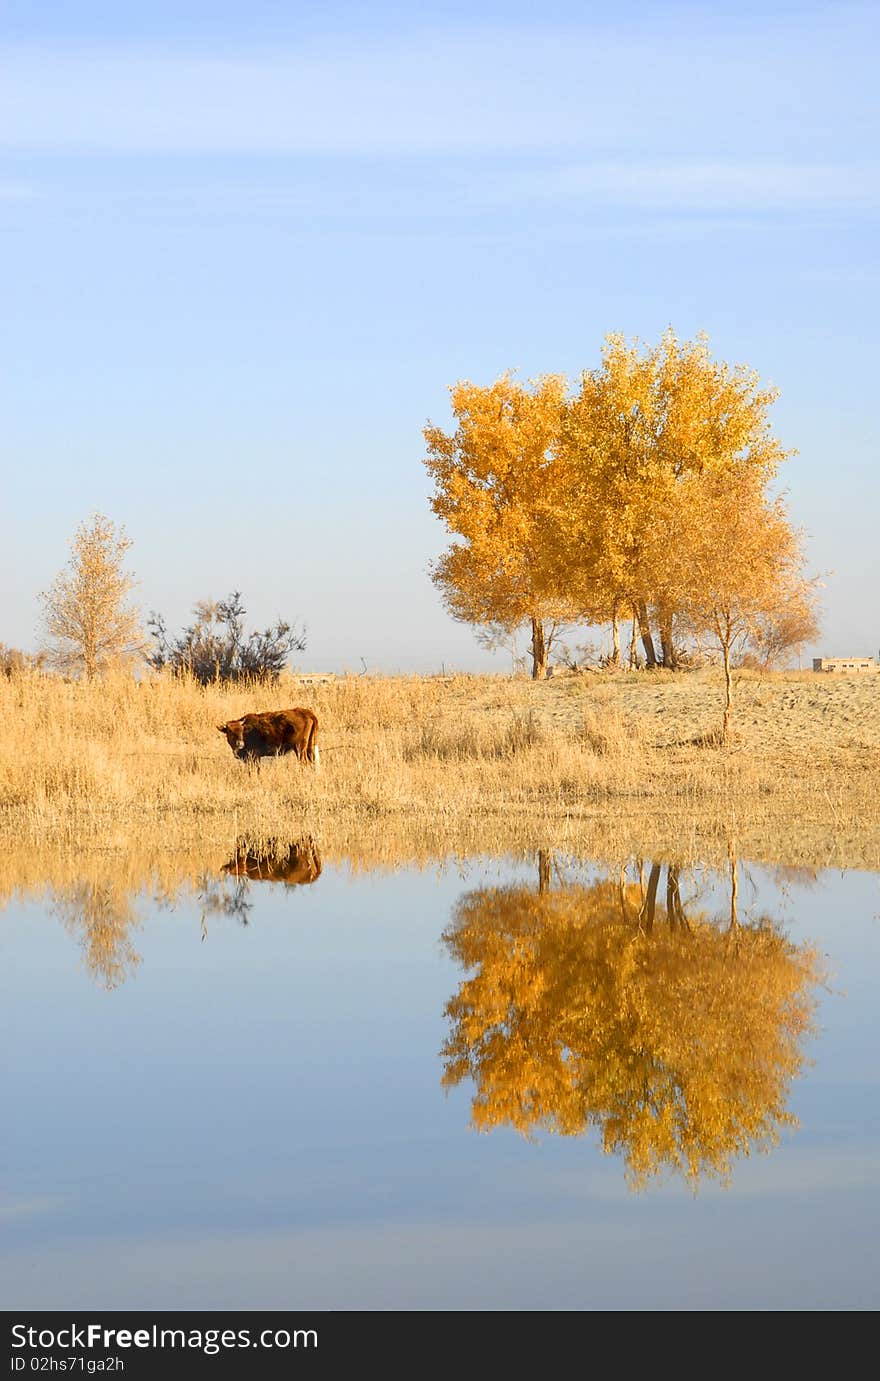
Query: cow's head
point(234, 731)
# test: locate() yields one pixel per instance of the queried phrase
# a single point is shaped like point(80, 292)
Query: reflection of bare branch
point(674, 909)
point(222, 897)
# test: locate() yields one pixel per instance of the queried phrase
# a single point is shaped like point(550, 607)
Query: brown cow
point(293, 864)
point(273, 733)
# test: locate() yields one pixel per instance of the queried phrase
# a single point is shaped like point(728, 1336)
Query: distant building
point(845, 664)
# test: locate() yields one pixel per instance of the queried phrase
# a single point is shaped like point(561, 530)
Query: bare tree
point(88, 621)
point(14, 662)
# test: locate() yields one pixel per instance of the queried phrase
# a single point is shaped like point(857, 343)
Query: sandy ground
point(794, 713)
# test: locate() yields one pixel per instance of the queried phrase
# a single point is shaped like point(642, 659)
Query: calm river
point(483, 1085)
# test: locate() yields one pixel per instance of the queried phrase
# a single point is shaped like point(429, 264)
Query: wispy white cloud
point(700, 186)
point(601, 89)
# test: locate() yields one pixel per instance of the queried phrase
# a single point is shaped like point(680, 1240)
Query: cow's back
point(281, 731)
point(301, 864)
point(304, 731)
point(293, 864)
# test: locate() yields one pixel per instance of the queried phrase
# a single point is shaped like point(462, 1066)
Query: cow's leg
point(312, 742)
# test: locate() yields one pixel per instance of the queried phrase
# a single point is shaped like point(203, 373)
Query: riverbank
point(421, 767)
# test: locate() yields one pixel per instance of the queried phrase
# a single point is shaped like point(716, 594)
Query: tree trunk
point(544, 857)
point(633, 647)
point(615, 640)
point(669, 658)
point(645, 630)
point(646, 915)
point(734, 886)
point(621, 893)
point(539, 650)
point(674, 909)
point(728, 692)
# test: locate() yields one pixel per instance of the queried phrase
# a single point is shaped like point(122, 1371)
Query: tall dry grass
point(420, 765)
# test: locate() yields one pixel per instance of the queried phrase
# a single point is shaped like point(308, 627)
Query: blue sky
point(246, 249)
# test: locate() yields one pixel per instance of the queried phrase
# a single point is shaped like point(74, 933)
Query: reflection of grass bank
point(418, 767)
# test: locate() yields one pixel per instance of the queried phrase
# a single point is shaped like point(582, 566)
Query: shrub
point(215, 646)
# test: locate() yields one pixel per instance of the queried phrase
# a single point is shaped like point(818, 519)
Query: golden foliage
point(643, 428)
point(492, 489)
point(85, 612)
point(678, 1042)
point(737, 566)
point(647, 493)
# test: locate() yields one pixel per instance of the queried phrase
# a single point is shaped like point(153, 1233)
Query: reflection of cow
point(292, 864)
point(273, 733)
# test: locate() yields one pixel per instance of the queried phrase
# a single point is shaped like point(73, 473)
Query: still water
point(490, 1084)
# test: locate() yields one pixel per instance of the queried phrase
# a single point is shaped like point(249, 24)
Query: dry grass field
point(421, 767)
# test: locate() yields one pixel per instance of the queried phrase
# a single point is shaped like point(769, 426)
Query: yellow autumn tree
point(603, 498)
point(713, 421)
point(494, 479)
point(739, 568)
point(675, 1037)
point(787, 626)
point(643, 423)
point(89, 622)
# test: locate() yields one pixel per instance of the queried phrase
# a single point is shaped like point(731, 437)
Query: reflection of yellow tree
point(679, 1042)
point(101, 914)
